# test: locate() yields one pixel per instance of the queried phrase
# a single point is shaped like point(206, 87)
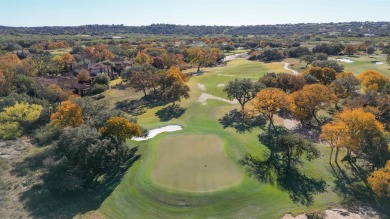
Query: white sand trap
point(225, 75)
point(378, 63)
point(204, 97)
point(286, 67)
point(221, 85)
point(202, 87)
point(345, 60)
point(154, 132)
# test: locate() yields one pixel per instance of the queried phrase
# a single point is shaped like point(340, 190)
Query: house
point(22, 54)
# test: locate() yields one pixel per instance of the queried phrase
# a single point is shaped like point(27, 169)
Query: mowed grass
point(143, 193)
point(363, 63)
point(198, 166)
point(216, 78)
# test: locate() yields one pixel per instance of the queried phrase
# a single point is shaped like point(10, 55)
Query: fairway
point(194, 163)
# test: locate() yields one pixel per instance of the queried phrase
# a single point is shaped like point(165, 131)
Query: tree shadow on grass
point(138, 106)
point(242, 123)
point(170, 112)
point(44, 203)
point(301, 188)
point(349, 185)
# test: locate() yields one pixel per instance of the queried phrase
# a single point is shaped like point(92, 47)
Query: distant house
point(66, 82)
point(22, 54)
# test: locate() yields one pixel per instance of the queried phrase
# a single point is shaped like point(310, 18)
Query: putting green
point(194, 163)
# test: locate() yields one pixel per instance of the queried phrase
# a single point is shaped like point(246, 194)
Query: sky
point(195, 12)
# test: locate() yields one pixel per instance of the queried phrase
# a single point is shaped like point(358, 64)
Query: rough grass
point(194, 163)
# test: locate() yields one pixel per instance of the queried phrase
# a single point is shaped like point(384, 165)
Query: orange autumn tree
point(67, 58)
point(121, 128)
point(99, 53)
point(353, 129)
point(67, 114)
point(176, 75)
point(333, 134)
point(268, 101)
point(379, 181)
point(84, 76)
point(373, 80)
point(306, 102)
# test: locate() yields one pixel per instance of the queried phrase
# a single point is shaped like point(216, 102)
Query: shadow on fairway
point(170, 112)
point(43, 203)
point(350, 186)
point(300, 187)
point(242, 123)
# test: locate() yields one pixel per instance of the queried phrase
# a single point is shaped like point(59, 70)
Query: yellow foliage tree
point(22, 112)
point(121, 128)
point(143, 58)
point(268, 101)
point(307, 102)
point(373, 80)
point(67, 114)
point(14, 118)
point(379, 181)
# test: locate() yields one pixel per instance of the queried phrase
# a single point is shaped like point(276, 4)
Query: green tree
point(242, 90)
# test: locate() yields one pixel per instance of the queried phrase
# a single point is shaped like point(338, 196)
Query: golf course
point(195, 172)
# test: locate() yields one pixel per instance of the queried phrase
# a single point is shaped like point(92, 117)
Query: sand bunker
point(204, 97)
point(202, 87)
point(154, 132)
point(345, 60)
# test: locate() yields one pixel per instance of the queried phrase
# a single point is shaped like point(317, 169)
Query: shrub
point(98, 88)
point(10, 130)
point(47, 134)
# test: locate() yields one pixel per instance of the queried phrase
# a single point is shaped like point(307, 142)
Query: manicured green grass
point(141, 195)
point(195, 163)
point(237, 51)
point(362, 63)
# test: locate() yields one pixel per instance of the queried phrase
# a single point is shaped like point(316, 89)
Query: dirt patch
point(290, 123)
point(204, 97)
point(286, 67)
point(202, 87)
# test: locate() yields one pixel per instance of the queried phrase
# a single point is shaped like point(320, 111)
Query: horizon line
point(220, 25)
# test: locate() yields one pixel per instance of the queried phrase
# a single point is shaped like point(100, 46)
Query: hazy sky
point(207, 12)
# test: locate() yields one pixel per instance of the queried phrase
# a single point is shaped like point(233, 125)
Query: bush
point(98, 88)
point(102, 79)
point(10, 130)
point(47, 134)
